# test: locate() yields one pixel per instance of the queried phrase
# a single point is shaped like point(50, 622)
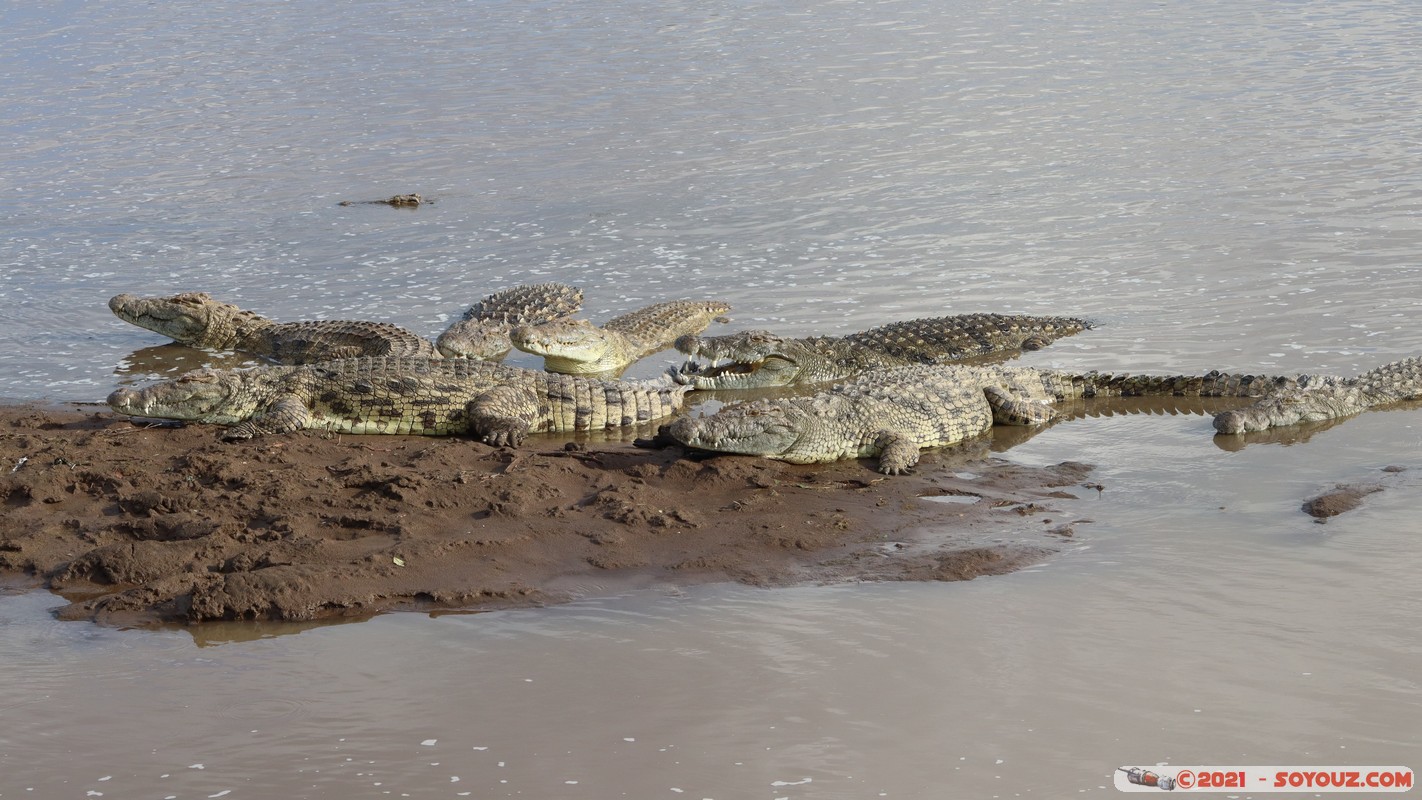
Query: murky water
point(1218, 184)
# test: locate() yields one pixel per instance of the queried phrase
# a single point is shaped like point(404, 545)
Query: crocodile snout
point(118, 302)
point(1231, 422)
point(684, 429)
point(122, 399)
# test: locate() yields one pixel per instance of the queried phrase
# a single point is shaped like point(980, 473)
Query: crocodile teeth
point(694, 370)
point(724, 368)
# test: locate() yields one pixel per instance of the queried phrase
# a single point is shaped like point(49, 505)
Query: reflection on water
point(173, 359)
point(217, 634)
point(1218, 188)
point(1292, 434)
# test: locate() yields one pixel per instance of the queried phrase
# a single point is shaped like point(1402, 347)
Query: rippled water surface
point(1218, 185)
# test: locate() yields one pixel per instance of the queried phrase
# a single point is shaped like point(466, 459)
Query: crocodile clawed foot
point(897, 454)
point(502, 438)
point(502, 433)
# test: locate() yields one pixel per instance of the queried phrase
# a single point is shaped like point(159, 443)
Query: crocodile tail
point(633, 404)
point(942, 339)
point(1399, 380)
point(1211, 384)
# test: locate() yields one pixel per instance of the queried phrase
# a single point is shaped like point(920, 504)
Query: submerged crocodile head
point(191, 318)
point(204, 395)
point(1290, 408)
point(746, 360)
point(773, 429)
point(573, 346)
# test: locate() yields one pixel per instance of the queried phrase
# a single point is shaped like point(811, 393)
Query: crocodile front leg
point(1010, 410)
point(897, 452)
point(286, 414)
point(503, 415)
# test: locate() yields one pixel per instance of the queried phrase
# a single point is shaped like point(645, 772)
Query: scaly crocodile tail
point(1212, 384)
point(941, 339)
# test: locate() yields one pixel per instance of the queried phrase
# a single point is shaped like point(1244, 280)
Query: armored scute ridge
point(893, 413)
point(577, 347)
point(754, 359)
point(1314, 398)
point(483, 331)
point(427, 396)
point(194, 318)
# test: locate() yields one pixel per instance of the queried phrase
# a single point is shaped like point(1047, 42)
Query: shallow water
point(1217, 185)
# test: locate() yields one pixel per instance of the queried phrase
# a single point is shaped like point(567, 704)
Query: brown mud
point(136, 524)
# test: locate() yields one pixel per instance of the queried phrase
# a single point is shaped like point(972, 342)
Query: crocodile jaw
point(568, 346)
point(758, 428)
point(183, 318)
point(203, 395)
point(749, 360)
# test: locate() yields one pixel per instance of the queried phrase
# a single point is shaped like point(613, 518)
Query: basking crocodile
point(578, 347)
point(1321, 397)
point(483, 331)
point(399, 201)
point(426, 396)
point(194, 318)
point(761, 358)
point(893, 413)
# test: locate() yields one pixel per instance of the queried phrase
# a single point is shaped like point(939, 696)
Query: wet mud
point(139, 525)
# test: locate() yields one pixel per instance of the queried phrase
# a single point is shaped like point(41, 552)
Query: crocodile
point(398, 201)
point(577, 347)
point(893, 413)
point(760, 358)
point(483, 331)
point(195, 318)
point(496, 404)
point(1314, 398)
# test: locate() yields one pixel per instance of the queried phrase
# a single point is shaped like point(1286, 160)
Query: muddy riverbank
point(136, 524)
